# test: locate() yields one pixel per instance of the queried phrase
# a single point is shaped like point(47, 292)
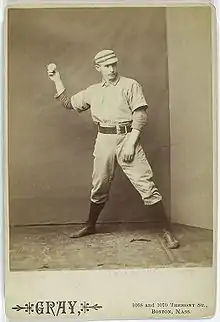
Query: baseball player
point(119, 109)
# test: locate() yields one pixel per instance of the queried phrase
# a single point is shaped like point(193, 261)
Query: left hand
point(128, 152)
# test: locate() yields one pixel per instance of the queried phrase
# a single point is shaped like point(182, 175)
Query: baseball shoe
point(170, 241)
point(84, 231)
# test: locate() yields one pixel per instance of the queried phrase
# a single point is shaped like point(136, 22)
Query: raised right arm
point(78, 102)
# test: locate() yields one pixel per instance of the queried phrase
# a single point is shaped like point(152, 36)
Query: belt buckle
point(119, 128)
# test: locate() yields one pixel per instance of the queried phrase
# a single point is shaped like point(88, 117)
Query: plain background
point(50, 149)
point(191, 114)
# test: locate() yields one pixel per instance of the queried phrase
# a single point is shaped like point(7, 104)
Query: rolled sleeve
point(80, 101)
point(136, 97)
point(64, 99)
point(139, 118)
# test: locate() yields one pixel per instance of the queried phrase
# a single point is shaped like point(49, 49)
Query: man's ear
point(97, 67)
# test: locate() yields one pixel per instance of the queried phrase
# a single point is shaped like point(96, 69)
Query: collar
point(107, 83)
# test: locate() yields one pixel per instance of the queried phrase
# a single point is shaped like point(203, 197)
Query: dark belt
point(117, 129)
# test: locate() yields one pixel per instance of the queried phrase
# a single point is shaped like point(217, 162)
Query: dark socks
point(160, 215)
point(94, 212)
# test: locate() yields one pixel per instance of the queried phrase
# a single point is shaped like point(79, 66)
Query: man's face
point(109, 72)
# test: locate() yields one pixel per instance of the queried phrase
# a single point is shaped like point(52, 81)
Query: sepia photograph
point(110, 138)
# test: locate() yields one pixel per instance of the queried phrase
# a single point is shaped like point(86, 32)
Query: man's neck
point(112, 81)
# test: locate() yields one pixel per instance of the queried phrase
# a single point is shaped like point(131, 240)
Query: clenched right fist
point(52, 72)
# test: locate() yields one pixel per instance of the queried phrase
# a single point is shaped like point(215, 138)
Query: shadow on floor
point(113, 247)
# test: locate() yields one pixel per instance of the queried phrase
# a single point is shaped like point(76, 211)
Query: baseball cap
point(106, 56)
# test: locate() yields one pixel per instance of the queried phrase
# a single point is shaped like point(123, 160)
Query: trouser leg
point(140, 174)
point(103, 167)
point(103, 173)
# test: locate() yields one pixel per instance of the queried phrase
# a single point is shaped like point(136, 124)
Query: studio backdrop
point(50, 148)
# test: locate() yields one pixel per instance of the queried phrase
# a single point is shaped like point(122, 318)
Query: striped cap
point(106, 56)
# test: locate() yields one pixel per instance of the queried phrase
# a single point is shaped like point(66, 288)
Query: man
point(119, 109)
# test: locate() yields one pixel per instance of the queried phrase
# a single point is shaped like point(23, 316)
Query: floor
point(113, 247)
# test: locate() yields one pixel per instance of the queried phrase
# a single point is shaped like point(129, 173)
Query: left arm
point(139, 121)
